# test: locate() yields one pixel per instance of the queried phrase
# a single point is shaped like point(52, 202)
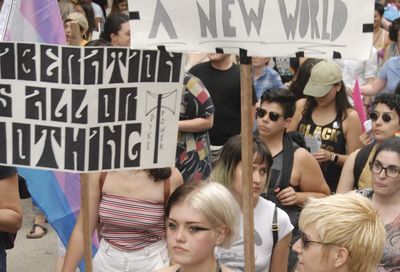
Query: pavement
point(36, 255)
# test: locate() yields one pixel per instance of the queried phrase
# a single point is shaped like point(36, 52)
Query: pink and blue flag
point(56, 193)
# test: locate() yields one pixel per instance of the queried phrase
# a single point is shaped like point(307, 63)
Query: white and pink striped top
point(131, 224)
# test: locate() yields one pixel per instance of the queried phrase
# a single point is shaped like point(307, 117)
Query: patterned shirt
point(193, 149)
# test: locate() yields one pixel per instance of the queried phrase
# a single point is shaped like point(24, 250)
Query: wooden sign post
point(87, 236)
point(247, 160)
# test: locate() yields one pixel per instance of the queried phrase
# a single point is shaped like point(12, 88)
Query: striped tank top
point(131, 224)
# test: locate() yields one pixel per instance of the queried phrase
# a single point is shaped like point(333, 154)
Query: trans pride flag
point(56, 193)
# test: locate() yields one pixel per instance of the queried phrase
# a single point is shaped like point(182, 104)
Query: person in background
point(10, 209)
point(393, 48)
point(289, 187)
point(387, 79)
point(221, 77)
point(89, 14)
point(130, 206)
point(98, 14)
point(264, 77)
point(76, 38)
point(301, 78)
point(69, 6)
point(385, 196)
point(380, 35)
point(327, 115)
point(385, 118)
point(119, 6)
point(200, 216)
point(117, 31)
point(339, 233)
point(271, 249)
point(196, 118)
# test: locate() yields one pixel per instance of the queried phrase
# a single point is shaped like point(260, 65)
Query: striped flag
point(56, 193)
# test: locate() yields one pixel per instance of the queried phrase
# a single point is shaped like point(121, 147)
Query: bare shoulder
point(176, 178)
point(171, 268)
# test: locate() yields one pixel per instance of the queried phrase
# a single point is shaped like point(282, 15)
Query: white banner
point(262, 27)
point(88, 109)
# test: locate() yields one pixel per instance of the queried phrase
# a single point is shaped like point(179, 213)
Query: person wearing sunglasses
point(327, 114)
point(288, 188)
point(339, 233)
point(385, 118)
point(385, 196)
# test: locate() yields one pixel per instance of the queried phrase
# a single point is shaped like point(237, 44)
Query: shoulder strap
point(167, 190)
point(275, 227)
point(288, 155)
point(360, 161)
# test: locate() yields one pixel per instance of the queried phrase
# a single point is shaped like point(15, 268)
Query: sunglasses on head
point(386, 117)
point(273, 116)
point(305, 241)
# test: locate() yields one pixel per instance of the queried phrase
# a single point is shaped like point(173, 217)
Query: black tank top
point(332, 139)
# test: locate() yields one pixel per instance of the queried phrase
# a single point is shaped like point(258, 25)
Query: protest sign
point(88, 109)
point(262, 27)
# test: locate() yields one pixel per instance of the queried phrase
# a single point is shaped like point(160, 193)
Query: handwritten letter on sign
point(87, 109)
point(263, 27)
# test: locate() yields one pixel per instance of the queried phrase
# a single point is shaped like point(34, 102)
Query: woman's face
point(190, 236)
point(259, 181)
point(311, 258)
point(377, 19)
point(69, 33)
point(268, 127)
point(123, 5)
point(383, 184)
point(122, 37)
point(381, 129)
point(329, 97)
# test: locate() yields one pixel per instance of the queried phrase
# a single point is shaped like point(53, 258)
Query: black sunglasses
point(386, 117)
point(273, 116)
point(305, 241)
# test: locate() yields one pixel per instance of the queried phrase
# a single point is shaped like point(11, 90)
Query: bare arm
point(311, 180)
point(175, 179)
point(373, 88)
point(346, 181)
point(297, 115)
point(196, 124)
point(10, 205)
point(75, 245)
point(280, 255)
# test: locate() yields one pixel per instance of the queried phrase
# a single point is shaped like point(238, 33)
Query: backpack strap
point(167, 190)
point(360, 161)
point(275, 227)
point(288, 156)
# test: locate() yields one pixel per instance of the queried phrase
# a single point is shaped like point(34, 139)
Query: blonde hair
point(349, 221)
point(212, 200)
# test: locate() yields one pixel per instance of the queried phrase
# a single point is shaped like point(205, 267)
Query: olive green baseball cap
point(324, 74)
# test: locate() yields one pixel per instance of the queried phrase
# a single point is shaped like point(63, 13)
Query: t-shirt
point(233, 257)
point(224, 89)
point(390, 72)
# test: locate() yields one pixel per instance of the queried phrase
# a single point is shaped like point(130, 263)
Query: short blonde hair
point(80, 19)
point(349, 221)
point(212, 200)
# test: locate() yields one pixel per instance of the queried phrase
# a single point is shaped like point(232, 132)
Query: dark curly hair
point(283, 97)
point(392, 100)
point(159, 173)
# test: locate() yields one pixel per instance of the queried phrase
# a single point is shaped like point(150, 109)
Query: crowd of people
point(336, 208)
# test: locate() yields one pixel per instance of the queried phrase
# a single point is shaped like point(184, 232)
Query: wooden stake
point(87, 237)
point(247, 160)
